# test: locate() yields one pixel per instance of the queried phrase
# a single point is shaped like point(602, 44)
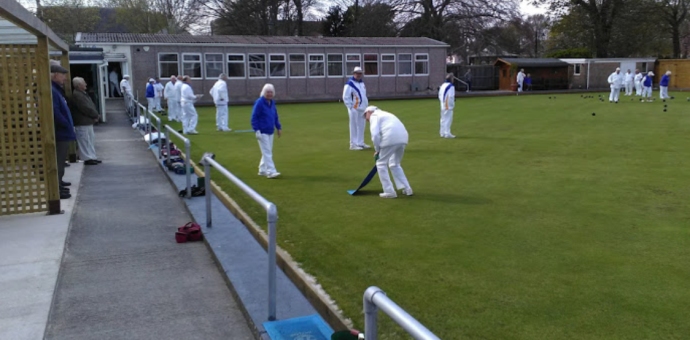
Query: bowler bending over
point(390, 138)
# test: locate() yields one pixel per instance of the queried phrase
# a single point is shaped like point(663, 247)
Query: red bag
point(189, 232)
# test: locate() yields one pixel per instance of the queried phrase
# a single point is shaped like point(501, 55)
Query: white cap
point(357, 70)
point(618, 68)
point(371, 108)
point(650, 73)
point(668, 73)
point(151, 80)
point(125, 76)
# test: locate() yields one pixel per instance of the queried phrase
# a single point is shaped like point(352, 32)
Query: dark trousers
point(61, 149)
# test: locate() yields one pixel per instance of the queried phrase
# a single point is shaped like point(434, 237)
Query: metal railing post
point(375, 299)
point(187, 170)
point(208, 191)
point(272, 217)
point(160, 138)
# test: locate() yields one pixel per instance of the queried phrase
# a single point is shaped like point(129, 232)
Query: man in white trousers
point(189, 115)
point(178, 93)
point(663, 85)
point(114, 89)
point(638, 82)
point(219, 92)
point(446, 94)
point(628, 81)
point(390, 138)
point(171, 94)
point(355, 99)
point(150, 95)
point(520, 79)
point(158, 89)
point(615, 81)
point(126, 90)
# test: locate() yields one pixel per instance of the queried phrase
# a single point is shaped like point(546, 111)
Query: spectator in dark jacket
point(84, 115)
point(64, 127)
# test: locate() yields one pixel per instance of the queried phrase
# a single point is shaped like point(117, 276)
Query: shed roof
point(533, 62)
point(170, 39)
point(19, 26)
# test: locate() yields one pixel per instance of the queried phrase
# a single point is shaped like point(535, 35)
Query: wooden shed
point(546, 73)
point(28, 164)
point(680, 72)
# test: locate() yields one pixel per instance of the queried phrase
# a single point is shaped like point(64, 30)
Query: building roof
point(533, 62)
point(170, 39)
point(19, 26)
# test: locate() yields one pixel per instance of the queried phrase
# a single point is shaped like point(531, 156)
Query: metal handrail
point(148, 121)
point(187, 157)
point(375, 298)
point(271, 215)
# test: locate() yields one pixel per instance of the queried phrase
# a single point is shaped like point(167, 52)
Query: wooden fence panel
point(23, 184)
point(680, 69)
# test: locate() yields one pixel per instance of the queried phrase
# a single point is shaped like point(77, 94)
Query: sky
point(529, 9)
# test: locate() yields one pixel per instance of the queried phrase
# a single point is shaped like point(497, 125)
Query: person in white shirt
point(219, 92)
point(158, 89)
point(355, 99)
point(178, 93)
point(126, 90)
point(390, 138)
point(171, 94)
point(638, 82)
point(189, 114)
point(615, 81)
point(114, 88)
point(520, 79)
point(446, 95)
point(628, 81)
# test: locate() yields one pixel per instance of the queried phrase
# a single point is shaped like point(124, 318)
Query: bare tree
point(674, 14)
point(151, 16)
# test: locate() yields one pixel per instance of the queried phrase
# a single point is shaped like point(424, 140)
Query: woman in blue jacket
point(265, 122)
point(663, 85)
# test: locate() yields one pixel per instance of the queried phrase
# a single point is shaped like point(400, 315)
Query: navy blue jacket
point(64, 127)
point(265, 116)
point(150, 93)
point(664, 80)
point(647, 81)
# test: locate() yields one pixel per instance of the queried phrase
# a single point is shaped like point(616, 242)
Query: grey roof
point(533, 62)
point(132, 38)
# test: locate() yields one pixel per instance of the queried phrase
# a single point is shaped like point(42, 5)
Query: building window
point(371, 64)
point(388, 64)
point(214, 64)
point(316, 65)
point(257, 65)
point(277, 66)
point(236, 66)
point(578, 68)
point(421, 64)
point(352, 61)
point(644, 67)
point(404, 64)
point(168, 65)
point(191, 65)
point(335, 65)
point(298, 66)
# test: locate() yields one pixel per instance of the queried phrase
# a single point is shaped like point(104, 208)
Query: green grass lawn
point(540, 221)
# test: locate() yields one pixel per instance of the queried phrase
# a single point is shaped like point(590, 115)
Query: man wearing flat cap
point(355, 99)
point(126, 90)
point(390, 138)
point(64, 127)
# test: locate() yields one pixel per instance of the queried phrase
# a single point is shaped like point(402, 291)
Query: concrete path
point(122, 275)
point(31, 249)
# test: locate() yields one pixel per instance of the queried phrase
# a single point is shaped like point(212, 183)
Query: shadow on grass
point(441, 198)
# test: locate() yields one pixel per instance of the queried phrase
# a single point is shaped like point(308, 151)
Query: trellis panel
point(24, 184)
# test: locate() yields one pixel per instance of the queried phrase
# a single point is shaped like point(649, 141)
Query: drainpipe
point(588, 64)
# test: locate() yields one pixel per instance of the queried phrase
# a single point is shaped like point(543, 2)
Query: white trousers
point(638, 88)
point(151, 104)
point(189, 117)
point(115, 90)
point(446, 121)
point(222, 117)
point(520, 84)
point(647, 92)
point(357, 125)
point(157, 101)
point(86, 142)
point(628, 88)
point(266, 144)
point(615, 93)
point(174, 110)
point(391, 157)
point(663, 92)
